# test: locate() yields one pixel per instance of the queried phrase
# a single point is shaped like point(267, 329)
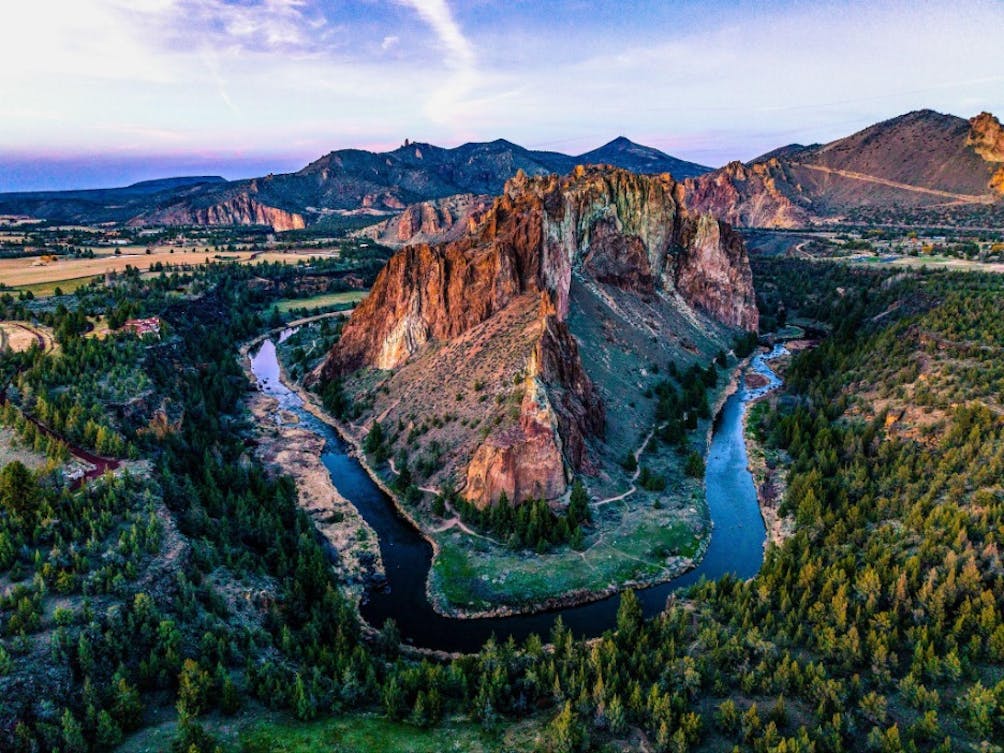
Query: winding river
point(736, 546)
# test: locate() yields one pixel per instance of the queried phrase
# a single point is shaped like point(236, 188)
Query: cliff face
point(242, 209)
point(711, 267)
point(619, 228)
point(435, 221)
point(559, 410)
point(747, 195)
point(598, 228)
point(986, 136)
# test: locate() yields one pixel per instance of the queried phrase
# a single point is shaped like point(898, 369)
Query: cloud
point(389, 43)
point(445, 104)
point(436, 13)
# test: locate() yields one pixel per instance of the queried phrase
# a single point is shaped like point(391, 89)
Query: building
point(142, 327)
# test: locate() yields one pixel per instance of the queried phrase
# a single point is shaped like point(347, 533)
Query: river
point(736, 545)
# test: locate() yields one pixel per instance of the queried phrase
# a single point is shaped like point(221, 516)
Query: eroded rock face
point(524, 461)
point(620, 228)
point(711, 267)
point(997, 181)
point(746, 196)
point(242, 209)
point(602, 226)
point(436, 221)
point(559, 410)
point(986, 136)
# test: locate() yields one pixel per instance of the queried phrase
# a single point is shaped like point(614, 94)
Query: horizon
point(131, 91)
point(140, 169)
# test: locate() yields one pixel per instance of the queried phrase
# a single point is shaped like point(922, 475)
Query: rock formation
point(242, 209)
point(435, 221)
point(499, 300)
point(748, 195)
point(986, 136)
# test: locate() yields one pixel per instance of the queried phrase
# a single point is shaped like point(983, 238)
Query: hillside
point(923, 160)
point(104, 204)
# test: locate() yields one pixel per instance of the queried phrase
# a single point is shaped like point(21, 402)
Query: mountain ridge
point(341, 182)
point(922, 159)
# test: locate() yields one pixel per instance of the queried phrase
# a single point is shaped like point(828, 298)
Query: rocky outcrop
point(997, 181)
point(711, 267)
point(747, 195)
point(602, 227)
point(986, 136)
point(242, 209)
point(436, 221)
point(522, 461)
point(620, 228)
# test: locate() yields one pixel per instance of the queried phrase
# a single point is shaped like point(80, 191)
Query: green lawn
point(45, 289)
point(364, 733)
point(321, 301)
point(263, 731)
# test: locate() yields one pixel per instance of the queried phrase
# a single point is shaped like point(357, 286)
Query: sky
point(107, 92)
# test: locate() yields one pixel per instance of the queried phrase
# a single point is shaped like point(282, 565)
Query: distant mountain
point(624, 153)
point(164, 184)
point(923, 160)
point(102, 204)
point(344, 182)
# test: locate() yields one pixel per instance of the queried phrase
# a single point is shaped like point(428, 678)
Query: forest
point(192, 579)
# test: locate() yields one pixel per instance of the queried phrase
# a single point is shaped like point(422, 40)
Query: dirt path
point(98, 465)
point(634, 476)
point(455, 521)
point(967, 198)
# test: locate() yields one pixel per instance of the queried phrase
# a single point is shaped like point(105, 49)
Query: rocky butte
point(513, 357)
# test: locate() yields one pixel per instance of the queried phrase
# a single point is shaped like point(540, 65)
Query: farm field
point(42, 277)
point(320, 301)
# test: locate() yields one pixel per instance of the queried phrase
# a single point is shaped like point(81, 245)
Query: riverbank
point(767, 467)
point(296, 451)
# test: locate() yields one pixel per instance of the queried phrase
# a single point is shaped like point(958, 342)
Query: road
point(962, 197)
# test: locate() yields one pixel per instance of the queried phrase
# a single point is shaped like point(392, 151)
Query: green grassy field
point(45, 289)
point(632, 540)
point(365, 733)
point(268, 732)
point(321, 301)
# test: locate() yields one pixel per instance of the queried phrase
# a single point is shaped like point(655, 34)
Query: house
point(142, 327)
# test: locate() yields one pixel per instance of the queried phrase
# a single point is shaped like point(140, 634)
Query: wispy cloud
point(445, 103)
